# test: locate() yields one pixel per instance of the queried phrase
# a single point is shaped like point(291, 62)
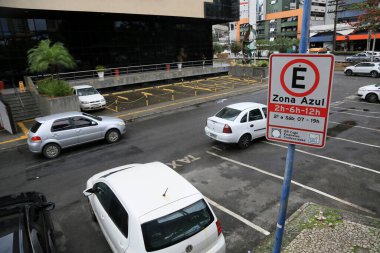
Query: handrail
point(117, 71)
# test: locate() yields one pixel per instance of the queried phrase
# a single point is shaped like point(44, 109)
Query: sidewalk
point(319, 229)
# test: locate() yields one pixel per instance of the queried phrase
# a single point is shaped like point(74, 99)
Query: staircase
point(24, 109)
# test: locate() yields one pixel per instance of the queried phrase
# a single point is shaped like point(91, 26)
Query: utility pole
point(337, 9)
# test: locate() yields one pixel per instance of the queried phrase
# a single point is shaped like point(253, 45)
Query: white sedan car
point(150, 207)
point(371, 93)
point(238, 123)
point(89, 98)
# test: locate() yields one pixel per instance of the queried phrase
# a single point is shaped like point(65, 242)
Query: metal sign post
point(291, 148)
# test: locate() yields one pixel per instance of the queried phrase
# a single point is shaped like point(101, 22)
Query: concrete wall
point(48, 105)
point(242, 71)
point(179, 8)
point(153, 76)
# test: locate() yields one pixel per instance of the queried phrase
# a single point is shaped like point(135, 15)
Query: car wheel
point(348, 72)
point(376, 59)
point(374, 74)
point(372, 98)
point(93, 217)
point(244, 141)
point(51, 150)
point(112, 136)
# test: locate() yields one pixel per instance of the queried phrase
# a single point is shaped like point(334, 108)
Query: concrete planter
point(59, 104)
point(248, 71)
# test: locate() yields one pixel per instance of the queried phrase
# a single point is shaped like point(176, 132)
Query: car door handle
point(251, 125)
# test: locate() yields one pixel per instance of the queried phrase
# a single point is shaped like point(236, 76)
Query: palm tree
point(44, 57)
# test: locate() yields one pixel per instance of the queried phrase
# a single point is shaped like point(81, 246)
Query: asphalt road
point(345, 174)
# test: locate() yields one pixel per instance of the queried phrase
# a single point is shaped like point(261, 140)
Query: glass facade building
point(110, 39)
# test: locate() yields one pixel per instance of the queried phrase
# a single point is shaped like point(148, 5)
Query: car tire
point(113, 135)
point(51, 150)
point(374, 74)
point(348, 72)
point(244, 141)
point(93, 216)
point(371, 97)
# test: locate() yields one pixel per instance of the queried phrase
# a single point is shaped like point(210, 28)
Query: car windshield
point(377, 85)
point(92, 116)
point(87, 91)
point(228, 113)
point(176, 227)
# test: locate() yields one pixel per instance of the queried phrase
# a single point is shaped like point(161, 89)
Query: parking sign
point(299, 98)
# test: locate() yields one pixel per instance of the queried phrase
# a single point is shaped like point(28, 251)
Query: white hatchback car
point(151, 208)
point(89, 98)
point(371, 93)
point(238, 123)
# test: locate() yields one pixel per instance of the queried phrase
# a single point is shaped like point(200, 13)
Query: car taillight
point(35, 139)
point(219, 227)
point(227, 129)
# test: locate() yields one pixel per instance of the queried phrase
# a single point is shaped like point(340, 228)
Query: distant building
point(111, 33)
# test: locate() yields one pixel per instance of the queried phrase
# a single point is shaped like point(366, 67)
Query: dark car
point(25, 223)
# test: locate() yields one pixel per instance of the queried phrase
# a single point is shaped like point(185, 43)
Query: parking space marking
point(236, 216)
point(356, 142)
point(14, 140)
point(23, 128)
point(367, 128)
point(124, 98)
point(374, 117)
point(348, 109)
point(363, 103)
point(294, 182)
point(328, 158)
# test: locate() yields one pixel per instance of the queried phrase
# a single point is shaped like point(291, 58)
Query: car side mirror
point(88, 192)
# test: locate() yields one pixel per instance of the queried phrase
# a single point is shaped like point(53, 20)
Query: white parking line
point(356, 114)
point(363, 103)
point(327, 158)
point(367, 128)
point(236, 216)
point(294, 182)
point(348, 109)
point(357, 142)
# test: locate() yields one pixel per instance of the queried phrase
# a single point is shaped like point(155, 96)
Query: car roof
point(82, 86)
point(245, 105)
point(141, 187)
point(58, 116)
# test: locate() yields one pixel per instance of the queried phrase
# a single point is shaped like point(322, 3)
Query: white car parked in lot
point(89, 98)
point(371, 93)
point(364, 68)
point(238, 123)
point(151, 208)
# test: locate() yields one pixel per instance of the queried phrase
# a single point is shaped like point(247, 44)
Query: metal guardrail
point(118, 71)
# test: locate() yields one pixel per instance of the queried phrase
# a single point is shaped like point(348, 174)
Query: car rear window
point(228, 113)
point(176, 227)
point(35, 127)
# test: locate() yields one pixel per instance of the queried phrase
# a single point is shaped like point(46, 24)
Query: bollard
point(172, 96)
point(116, 105)
point(146, 100)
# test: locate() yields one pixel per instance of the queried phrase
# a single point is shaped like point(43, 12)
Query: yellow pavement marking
point(105, 95)
point(182, 102)
point(168, 90)
point(196, 88)
point(111, 109)
point(165, 85)
point(23, 128)
point(125, 98)
point(147, 94)
point(28, 120)
point(14, 140)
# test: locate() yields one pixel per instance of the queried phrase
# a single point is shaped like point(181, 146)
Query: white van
point(151, 208)
point(89, 98)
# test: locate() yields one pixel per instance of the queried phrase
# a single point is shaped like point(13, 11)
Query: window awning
point(322, 38)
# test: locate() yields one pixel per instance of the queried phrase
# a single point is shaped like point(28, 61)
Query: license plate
point(212, 135)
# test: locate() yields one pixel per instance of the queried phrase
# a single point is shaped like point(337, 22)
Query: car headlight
point(103, 100)
point(121, 123)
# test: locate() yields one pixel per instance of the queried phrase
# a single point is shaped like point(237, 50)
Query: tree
point(283, 44)
point(338, 7)
point(217, 48)
point(235, 47)
point(370, 19)
point(45, 57)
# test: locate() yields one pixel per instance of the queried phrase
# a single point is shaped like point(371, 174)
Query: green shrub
point(100, 68)
point(262, 64)
point(54, 88)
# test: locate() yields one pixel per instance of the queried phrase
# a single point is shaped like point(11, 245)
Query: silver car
point(51, 133)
